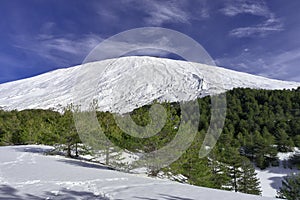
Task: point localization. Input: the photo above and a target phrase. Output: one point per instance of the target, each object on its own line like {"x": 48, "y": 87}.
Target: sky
{"x": 258, "y": 37}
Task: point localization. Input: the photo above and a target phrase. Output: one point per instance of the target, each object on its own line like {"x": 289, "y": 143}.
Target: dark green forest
{"x": 259, "y": 124}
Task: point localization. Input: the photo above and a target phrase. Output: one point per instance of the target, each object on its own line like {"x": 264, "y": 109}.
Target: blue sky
{"x": 258, "y": 37}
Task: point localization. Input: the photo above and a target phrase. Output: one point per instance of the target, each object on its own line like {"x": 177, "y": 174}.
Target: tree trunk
{"x": 76, "y": 150}
{"x": 234, "y": 180}
{"x": 69, "y": 151}
{"x": 107, "y": 156}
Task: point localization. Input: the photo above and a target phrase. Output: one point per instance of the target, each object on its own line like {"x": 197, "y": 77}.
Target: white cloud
{"x": 269, "y": 25}
{"x": 164, "y": 11}
{"x": 234, "y": 8}
{"x": 288, "y": 56}
{"x": 60, "y": 50}
{"x": 159, "y": 12}
{"x": 204, "y": 12}
{"x": 154, "y": 12}
{"x": 71, "y": 48}
{"x": 280, "y": 65}
{"x": 148, "y": 41}
{"x": 70, "y": 45}
{"x": 106, "y": 14}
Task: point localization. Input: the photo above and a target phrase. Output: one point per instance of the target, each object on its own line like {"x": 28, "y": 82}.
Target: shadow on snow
{"x": 9, "y": 193}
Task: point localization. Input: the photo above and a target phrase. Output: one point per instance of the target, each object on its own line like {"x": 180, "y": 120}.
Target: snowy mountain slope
{"x": 25, "y": 173}
{"x": 127, "y": 83}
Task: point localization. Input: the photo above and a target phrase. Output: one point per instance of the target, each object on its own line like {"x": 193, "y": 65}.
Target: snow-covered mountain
{"x": 122, "y": 84}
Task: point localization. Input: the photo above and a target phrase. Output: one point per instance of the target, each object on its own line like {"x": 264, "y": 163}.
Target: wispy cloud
{"x": 280, "y": 65}
{"x": 288, "y": 56}
{"x": 165, "y": 11}
{"x": 157, "y": 12}
{"x": 283, "y": 65}
{"x": 59, "y": 50}
{"x": 258, "y": 8}
{"x": 234, "y": 8}
{"x": 142, "y": 41}
{"x": 270, "y": 25}
{"x": 153, "y": 12}
{"x": 73, "y": 49}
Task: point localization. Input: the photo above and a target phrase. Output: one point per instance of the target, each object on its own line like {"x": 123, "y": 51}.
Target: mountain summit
{"x": 123, "y": 84}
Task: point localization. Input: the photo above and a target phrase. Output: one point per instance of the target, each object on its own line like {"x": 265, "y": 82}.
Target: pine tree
{"x": 68, "y": 131}
{"x": 297, "y": 141}
{"x": 248, "y": 182}
{"x": 290, "y": 188}
{"x": 284, "y": 142}
{"x": 264, "y": 149}
{"x": 220, "y": 178}
{"x": 232, "y": 158}
{"x": 249, "y": 146}
{"x": 258, "y": 145}
{"x": 268, "y": 150}
{"x": 194, "y": 168}
{"x": 102, "y": 140}
{"x": 13, "y": 132}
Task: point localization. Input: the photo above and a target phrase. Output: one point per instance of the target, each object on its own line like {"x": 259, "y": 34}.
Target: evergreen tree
{"x": 68, "y": 131}
{"x": 106, "y": 148}
{"x": 248, "y": 182}
{"x": 13, "y": 130}
{"x": 265, "y": 152}
{"x": 268, "y": 149}
{"x": 249, "y": 146}
{"x": 284, "y": 142}
{"x": 290, "y": 188}
{"x": 297, "y": 141}
{"x": 232, "y": 158}
{"x": 220, "y": 178}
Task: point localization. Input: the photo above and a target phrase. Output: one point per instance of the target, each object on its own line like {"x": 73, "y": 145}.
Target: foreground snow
{"x": 271, "y": 178}
{"x": 128, "y": 83}
{"x": 25, "y": 173}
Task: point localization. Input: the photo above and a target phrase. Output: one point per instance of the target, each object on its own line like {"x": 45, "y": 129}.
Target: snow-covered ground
{"x": 271, "y": 177}
{"x": 128, "y": 83}
{"x": 26, "y": 173}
